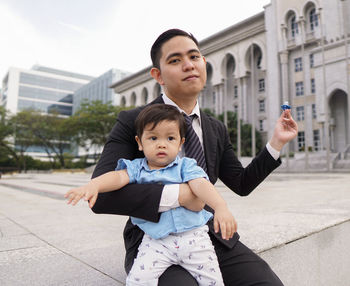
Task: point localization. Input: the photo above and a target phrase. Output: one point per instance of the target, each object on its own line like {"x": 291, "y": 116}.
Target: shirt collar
{"x": 144, "y": 164}
{"x": 195, "y": 110}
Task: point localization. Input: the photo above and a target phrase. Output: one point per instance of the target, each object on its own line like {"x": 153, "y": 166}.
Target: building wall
{"x": 99, "y": 89}
{"x": 41, "y": 88}
{"x": 287, "y": 31}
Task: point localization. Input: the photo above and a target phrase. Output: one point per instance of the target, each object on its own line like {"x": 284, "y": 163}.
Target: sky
{"x": 93, "y": 36}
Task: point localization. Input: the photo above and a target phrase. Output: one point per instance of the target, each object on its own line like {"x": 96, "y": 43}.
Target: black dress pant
{"x": 239, "y": 266}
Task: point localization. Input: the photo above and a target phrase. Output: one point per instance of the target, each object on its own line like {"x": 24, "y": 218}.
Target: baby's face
{"x": 160, "y": 144}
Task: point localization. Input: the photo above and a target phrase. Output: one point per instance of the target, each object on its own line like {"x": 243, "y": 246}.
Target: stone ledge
{"x": 296, "y": 222}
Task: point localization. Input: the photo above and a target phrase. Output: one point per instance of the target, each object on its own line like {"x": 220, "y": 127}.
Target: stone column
{"x": 345, "y": 21}
{"x": 244, "y": 98}
{"x": 325, "y": 101}
{"x": 239, "y": 116}
{"x": 252, "y": 77}
{"x": 307, "y": 134}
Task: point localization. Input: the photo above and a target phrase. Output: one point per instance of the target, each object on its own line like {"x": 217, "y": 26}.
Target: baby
{"x": 181, "y": 236}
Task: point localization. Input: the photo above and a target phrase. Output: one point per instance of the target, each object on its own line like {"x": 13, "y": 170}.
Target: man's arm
{"x": 138, "y": 200}
{"x": 244, "y": 180}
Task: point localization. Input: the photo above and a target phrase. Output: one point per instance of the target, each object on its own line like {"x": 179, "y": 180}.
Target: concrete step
{"x": 342, "y": 164}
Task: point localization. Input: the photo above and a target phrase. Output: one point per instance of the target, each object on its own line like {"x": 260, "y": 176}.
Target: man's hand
{"x": 189, "y": 200}
{"x": 286, "y": 129}
{"x": 224, "y": 220}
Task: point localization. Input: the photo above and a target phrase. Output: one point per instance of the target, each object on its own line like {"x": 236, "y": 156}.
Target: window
{"x": 44, "y": 94}
{"x": 261, "y": 125}
{"x": 316, "y": 135}
{"x": 64, "y": 108}
{"x": 300, "y": 113}
{"x": 313, "y": 18}
{"x": 301, "y": 141}
{"x": 299, "y": 88}
{"x": 235, "y": 91}
{"x": 262, "y": 105}
{"x": 314, "y": 113}
{"x": 261, "y": 85}
{"x": 293, "y": 27}
{"x": 313, "y": 86}
{"x": 311, "y": 58}
{"x": 49, "y": 82}
{"x": 298, "y": 64}
{"x": 123, "y": 102}
{"x": 258, "y": 62}
{"x": 236, "y": 108}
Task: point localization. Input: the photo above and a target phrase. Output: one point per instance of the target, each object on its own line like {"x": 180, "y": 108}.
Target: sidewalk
{"x": 46, "y": 242}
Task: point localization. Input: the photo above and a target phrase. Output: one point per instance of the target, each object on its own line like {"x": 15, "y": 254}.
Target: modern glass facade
{"x": 43, "y": 89}
{"x": 99, "y": 89}
{"x": 43, "y": 81}
{"x": 48, "y": 90}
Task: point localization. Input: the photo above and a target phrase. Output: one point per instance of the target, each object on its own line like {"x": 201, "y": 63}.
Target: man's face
{"x": 182, "y": 68}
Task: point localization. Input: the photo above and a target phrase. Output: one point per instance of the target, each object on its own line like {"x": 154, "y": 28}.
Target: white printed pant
{"x": 193, "y": 250}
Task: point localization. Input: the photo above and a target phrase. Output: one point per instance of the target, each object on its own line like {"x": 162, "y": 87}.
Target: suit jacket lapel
{"x": 159, "y": 99}
{"x": 209, "y": 143}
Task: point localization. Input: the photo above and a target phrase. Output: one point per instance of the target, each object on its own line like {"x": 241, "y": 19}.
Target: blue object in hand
{"x": 285, "y": 105}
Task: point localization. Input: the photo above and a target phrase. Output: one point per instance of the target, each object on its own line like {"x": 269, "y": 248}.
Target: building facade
{"x": 98, "y": 89}
{"x": 295, "y": 51}
{"x": 41, "y": 88}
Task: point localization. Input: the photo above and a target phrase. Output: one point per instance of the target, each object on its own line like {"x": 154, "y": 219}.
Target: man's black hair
{"x": 156, "y": 50}
{"x": 155, "y": 113}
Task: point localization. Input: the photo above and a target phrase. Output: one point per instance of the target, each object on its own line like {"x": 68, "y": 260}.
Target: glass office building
{"x": 41, "y": 88}
{"x": 99, "y": 89}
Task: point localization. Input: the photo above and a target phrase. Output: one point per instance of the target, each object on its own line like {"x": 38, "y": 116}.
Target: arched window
{"x": 133, "y": 99}
{"x": 294, "y": 30}
{"x": 123, "y": 102}
{"x": 144, "y": 96}
{"x": 313, "y": 19}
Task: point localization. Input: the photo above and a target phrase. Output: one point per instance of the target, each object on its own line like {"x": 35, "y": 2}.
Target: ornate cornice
{"x": 132, "y": 80}
{"x": 236, "y": 33}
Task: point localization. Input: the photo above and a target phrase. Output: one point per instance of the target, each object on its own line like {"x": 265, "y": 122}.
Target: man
{"x": 181, "y": 70}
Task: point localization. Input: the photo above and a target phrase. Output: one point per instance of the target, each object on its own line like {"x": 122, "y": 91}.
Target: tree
{"x": 50, "y": 132}
{"x": 23, "y": 135}
{"x": 92, "y": 124}
{"x": 246, "y": 140}
{"x": 6, "y": 133}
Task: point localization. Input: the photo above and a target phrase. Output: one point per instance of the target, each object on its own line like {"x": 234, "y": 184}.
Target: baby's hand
{"x": 89, "y": 192}
{"x": 227, "y": 223}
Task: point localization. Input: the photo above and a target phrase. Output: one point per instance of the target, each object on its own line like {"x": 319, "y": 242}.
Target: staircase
{"x": 317, "y": 162}
{"x": 342, "y": 160}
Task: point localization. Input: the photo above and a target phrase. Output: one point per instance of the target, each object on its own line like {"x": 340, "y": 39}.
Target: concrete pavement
{"x": 296, "y": 222}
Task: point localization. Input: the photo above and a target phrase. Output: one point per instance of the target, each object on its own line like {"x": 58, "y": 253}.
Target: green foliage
{"x": 92, "y": 124}
{"x": 53, "y": 133}
{"x": 246, "y": 131}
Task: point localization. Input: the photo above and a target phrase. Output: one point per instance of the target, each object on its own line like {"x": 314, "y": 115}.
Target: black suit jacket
{"x": 143, "y": 200}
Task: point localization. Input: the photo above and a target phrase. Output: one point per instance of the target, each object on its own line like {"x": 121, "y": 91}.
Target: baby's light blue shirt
{"x": 180, "y": 219}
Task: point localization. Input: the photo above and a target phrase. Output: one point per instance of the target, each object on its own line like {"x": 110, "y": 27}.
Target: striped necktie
{"x": 193, "y": 147}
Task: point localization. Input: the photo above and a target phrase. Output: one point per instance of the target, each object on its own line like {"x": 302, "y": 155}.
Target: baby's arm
{"x": 205, "y": 191}
{"x": 107, "y": 182}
